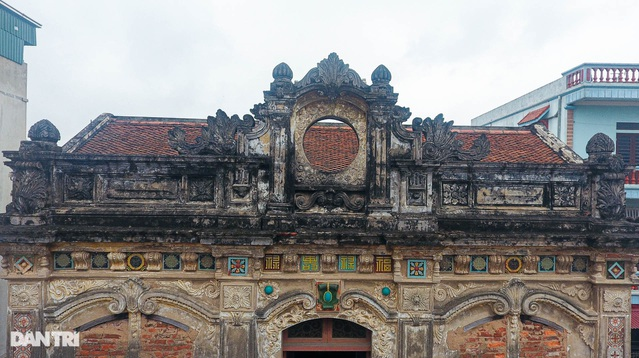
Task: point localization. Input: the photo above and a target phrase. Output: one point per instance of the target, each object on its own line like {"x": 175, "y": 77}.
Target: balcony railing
{"x": 602, "y": 73}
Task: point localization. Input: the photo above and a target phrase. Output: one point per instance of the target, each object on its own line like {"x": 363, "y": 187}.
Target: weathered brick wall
{"x": 489, "y": 341}
{"x": 538, "y": 340}
{"x": 486, "y": 341}
{"x": 157, "y": 340}
{"x": 162, "y": 340}
{"x": 106, "y": 340}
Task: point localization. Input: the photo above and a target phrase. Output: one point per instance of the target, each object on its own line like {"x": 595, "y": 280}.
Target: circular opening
{"x": 330, "y": 145}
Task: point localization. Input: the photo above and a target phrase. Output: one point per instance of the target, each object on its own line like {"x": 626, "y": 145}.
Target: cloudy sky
{"x": 188, "y": 58}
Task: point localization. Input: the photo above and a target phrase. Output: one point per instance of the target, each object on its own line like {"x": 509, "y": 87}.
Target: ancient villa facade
{"x": 253, "y": 237}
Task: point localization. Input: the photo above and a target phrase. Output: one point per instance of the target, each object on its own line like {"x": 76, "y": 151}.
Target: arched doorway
{"x": 320, "y": 338}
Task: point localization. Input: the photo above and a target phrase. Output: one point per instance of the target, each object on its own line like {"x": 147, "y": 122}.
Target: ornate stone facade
{"x": 228, "y": 236}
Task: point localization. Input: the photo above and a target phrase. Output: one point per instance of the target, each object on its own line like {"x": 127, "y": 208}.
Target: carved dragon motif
{"x": 218, "y": 137}
{"x": 441, "y": 143}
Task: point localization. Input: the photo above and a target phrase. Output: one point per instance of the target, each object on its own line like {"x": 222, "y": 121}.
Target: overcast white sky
{"x": 188, "y": 58}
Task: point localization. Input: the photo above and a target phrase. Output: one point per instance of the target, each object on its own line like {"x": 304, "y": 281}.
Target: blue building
{"x": 587, "y": 99}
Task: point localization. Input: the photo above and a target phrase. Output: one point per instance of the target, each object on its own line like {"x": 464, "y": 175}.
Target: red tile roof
{"x": 330, "y": 148}
{"x": 533, "y": 116}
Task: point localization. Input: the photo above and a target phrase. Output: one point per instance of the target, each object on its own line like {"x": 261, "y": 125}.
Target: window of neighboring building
{"x": 628, "y": 142}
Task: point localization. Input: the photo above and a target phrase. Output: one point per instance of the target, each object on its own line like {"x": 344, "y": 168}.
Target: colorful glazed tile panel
{"x": 171, "y": 261}
{"x": 238, "y": 266}
{"x": 616, "y": 337}
{"x": 206, "y": 262}
{"x": 580, "y": 264}
{"x": 62, "y": 261}
{"x": 272, "y": 262}
{"x": 479, "y": 264}
{"x": 514, "y": 264}
{"x": 99, "y": 261}
{"x": 347, "y": 263}
{"x": 616, "y": 270}
{"x": 309, "y": 263}
{"x": 383, "y": 264}
{"x": 416, "y": 268}
{"x": 546, "y": 264}
{"x": 23, "y": 264}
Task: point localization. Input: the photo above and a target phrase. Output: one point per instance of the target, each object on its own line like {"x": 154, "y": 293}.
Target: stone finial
{"x": 381, "y": 75}
{"x": 44, "y": 131}
{"x": 282, "y": 72}
{"x": 600, "y": 145}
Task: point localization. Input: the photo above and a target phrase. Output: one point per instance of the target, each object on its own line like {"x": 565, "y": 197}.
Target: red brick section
{"x": 106, "y": 340}
{"x": 537, "y": 340}
{"x": 162, "y": 340}
{"x": 150, "y": 137}
{"x": 330, "y": 148}
{"x": 485, "y": 341}
{"x": 570, "y": 127}
{"x": 489, "y": 341}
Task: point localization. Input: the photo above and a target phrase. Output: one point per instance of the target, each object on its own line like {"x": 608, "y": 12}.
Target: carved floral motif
{"x": 611, "y": 199}
{"x": 454, "y": 194}
{"x": 60, "y": 290}
{"x": 30, "y": 188}
{"x": 415, "y": 298}
{"x": 581, "y": 291}
{"x": 383, "y": 339}
{"x": 24, "y": 295}
{"x": 271, "y": 332}
{"x": 616, "y": 301}
{"x": 209, "y": 289}
{"x": 79, "y": 187}
{"x": 329, "y": 199}
{"x": 237, "y": 297}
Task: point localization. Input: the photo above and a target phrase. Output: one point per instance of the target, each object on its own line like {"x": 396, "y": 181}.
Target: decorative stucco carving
{"x": 564, "y": 195}
{"x": 389, "y": 300}
{"x": 611, "y": 199}
{"x": 218, "y": 137}
{"x": 153, "y": 261}
{"x": 563, "y": 264}
{"x": 454, "y": 194}
{"x": 61, "y": 290}
{"x": 332, "y": 73}
{"x": 265, "y": 298}
{"x": 587, "y": 334}
{"x": 210, "y": 289}
{"x": 30, "y": 192}
{"x": 189, "y": 261}
{"x": 441, "y": 145}
{"x": 297, "y": 312}
{"x": 581, "y": 291}
{"x": 130, "y": 291}
{"x": 237, "y": 297}
{"x": 290, "y": 262}
{"x": 616, "y": 301}
{"x": 329, "y": 199}
{"x": 366, "y": 263}
{"x": 442, "y": 292}
{"x": 24, "y": 295}
{"x": 207, "y": 342}
{"x": 462, "y": 264}
{"x": 530, "y": 264}
{"x": 44, "y": 131}
{"x": 415, "y": 298}
{"x": 81, "y": 260}
{"x": 79, "y": 187}
{"x": 329, "y": 263}
{"x": 117, "y": 261}
{"x": 384, "y": 334}
{"x": 496, "y": 264}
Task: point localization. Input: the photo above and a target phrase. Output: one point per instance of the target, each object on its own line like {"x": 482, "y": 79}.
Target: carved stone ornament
{"x": 24, "y": 295}
{"x": 130, "y": 290}
{"x": 81, "y": 260}
{"x": 189, "y": 261}
{"x": 415, "y": 299}
{"x": 329, "y": 263}
{"x": 265, "y": 298}
{"x": 270, "y": 334}
{"x": 30, "y": 192}
{"x": 218, "y": 137}
{"x": 79, "y": 187}
{"x": 44, "y": 131}
{"x": 332, "y": 73}
{"x": 600, "y": 144}
{"x": 384, "y": 334}
{"x": 587, "y": 334}
{"x": 454, "y": 194}
{"x": 611, "y": 200}
{"x": 153, "y": 261}
{"x": 462, "y": 264}
{"x": 366, "y": 263}
{"x": 210, "y": 290}
{"x": 117, "y": 261}
{"x": 290, "y": 262}
{"x": 443, "y": 292}
{"x": 237, "y": 297}
{"x": 441, "y": 144}
{"x": 581, "y": 291}
{"x": 389, "y": 300}
{"x": 61, "y": 290}
{"x": 329, "y": 199}
{"x": 616, "y": 301}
